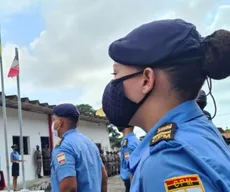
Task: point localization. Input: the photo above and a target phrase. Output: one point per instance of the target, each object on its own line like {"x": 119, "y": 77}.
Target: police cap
{"x": 66, "y": 110}
{"x": 14, "y": 146}
{"x": 157, "y": 41}
{"x": 166, "y": 43}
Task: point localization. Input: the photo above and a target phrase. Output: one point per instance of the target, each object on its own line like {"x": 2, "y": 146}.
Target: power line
{"x": 223, "y": 114}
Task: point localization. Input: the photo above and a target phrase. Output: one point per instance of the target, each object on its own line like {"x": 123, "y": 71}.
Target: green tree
{"x": 227, "y": 130}
{"x": 86, "y": 109}
{"x": 114, "y": 136}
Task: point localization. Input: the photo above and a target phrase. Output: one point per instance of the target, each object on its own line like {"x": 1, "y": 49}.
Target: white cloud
{"x": 9, "y": 7}
{"x": 72, "y": 51}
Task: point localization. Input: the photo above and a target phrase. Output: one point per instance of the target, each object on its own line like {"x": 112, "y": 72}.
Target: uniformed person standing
{"x": 112, "y": 161}
{"x": 46, "y": 159}
{"x": 118, "y": 161}
{"x": 38, "y": 161}
{"x": 115, "y": 160}
{"x": 102, "y": 157}
{"x": 168, "y": 62}
{"x": 202, "y": 102}
{"x": 128, "y": 144}
{"x": 110, "y": 165}
{"x": 14, "y": 158}
{"x": 76, "y": 163}
{"x": 107, "y": 162}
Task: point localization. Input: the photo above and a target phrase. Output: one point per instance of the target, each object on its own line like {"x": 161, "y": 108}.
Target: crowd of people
{"x": 111, "y": 161}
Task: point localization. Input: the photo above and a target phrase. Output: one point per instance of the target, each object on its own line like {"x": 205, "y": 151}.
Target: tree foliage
{"x": 227, "y": 130}
{"x": 114, "y": 136}
{"x": 86, "y": 109}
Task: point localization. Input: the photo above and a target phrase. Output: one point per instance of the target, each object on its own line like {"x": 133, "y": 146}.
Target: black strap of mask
{"x": 209, "y": 82}
{"x": 127, "y": 77}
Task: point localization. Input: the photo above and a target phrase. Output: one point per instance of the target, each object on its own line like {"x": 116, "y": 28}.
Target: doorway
{"x": 45, "y": 155}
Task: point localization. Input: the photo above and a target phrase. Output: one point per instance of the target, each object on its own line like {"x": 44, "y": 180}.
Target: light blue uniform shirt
{"x": 128, "y": 144}
{"x": 197, "y": 148}
{"x": 77, "y": 156}
{"x": 15, "y": 156}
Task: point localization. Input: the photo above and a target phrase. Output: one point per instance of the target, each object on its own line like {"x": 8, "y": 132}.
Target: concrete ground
{"x": 115, "y": 184}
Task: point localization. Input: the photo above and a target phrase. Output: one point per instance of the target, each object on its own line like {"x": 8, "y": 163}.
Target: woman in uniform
{"x": 14, "y": 158}
{"x": 158, "y": 71}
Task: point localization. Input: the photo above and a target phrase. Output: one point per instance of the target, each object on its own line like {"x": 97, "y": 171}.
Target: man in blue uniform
{"x": 202, "y": 102}
{"x": 158, "y": 71}
{"x": 128, "y": 144}
{"x": 76, "y": 164}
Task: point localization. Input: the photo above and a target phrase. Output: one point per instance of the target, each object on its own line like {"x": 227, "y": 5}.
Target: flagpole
{"x": 20, "y": 127}
{"x": 4, "y": 119}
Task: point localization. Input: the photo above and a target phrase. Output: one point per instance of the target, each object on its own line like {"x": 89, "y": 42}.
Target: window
{"x": 16, "y": 140}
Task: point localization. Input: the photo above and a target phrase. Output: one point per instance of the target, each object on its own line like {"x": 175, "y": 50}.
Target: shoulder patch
{"x": 126, "y": 155}
{"x": 190, "y": 183}
{"x": 61, "y": 158}
{"x": 165, "y": 132}
{"x": 125, "y": 142}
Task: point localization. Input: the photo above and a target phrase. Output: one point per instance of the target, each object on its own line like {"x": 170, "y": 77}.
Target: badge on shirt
{"x": 61, "y": 158}
{"x": 165, "y": 132}
{"x": 126, "y": 156}
{"x": 125, "y": 142}
{"x": 187, "y": 183}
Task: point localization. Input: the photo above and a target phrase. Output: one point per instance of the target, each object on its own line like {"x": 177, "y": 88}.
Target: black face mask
{"x": 118, "y": 108}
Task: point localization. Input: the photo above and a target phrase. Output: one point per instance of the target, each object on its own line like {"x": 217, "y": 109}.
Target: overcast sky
{"x": 63, "y": 44}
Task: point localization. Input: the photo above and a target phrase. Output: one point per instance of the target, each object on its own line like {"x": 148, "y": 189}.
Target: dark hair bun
{"x": 217, "y": 55}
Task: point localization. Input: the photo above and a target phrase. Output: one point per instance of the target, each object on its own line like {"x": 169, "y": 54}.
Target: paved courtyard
{"x": 115, "y": 184}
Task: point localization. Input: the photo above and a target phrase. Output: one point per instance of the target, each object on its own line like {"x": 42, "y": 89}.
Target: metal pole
{"x": 4, "y": 120}
{"x": 20, "y": 128}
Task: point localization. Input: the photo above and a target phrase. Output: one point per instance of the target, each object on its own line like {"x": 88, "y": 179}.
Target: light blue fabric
{"x": 15, "y": 156}
{"x": 198, "y": 148}
{"x": 132, "y": 143}
{"x": 82, "y": 160}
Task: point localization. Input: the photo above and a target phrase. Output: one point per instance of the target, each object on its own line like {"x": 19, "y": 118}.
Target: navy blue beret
{"x": 14, "y": 146}
{"x": 66, "y": 110}
{"x": 158, "y": 42}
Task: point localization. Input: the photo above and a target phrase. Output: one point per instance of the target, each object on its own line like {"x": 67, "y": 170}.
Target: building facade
{"x": 37, "y": 131}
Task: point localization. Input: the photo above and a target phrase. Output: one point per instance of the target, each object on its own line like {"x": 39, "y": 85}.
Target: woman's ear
{"x": 148, "y": 80}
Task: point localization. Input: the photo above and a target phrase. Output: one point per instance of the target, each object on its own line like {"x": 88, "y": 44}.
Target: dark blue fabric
{"x": 66, "y": 110}
{"x": 117, "y": 107}
{"x": 201, "y": 97}
{"x": 156, "y": 43}
{"x": 208, "y": 115}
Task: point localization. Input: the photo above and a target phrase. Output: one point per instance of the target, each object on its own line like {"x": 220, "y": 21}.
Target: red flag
{"x": 14, "y": 70}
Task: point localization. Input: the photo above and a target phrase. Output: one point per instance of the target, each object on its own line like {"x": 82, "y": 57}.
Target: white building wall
{"x": 97, "y": 132}
{"x": 35, "y": 125}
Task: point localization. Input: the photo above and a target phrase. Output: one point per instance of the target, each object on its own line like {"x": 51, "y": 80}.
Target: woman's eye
{"x": 114, "y": 74}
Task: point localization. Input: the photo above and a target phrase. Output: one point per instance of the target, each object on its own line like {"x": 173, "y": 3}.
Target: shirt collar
{"x": 68, "y": 132}
{"x": 182, "y": 113}
{"x": 127, "y": 136}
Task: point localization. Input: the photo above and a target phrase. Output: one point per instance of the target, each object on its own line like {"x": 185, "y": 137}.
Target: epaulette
{"x": 125, "y": 142}
{"x": 59, "y": 143}
{"x": 165, "y": 132}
